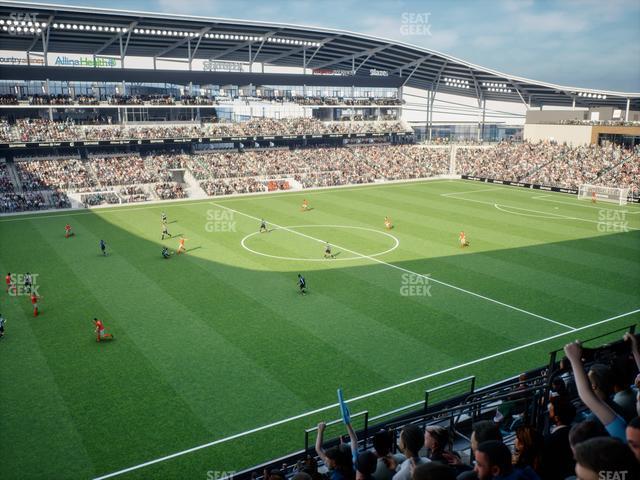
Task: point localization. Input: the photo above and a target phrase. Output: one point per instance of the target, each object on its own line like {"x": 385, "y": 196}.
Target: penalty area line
{"x": 361, "y": 397}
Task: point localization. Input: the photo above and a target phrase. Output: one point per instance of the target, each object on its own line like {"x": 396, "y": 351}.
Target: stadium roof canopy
{"x": 102, "y": 32}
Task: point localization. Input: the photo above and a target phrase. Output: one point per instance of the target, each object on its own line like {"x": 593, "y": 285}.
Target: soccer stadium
{"x": 268, "y": 250}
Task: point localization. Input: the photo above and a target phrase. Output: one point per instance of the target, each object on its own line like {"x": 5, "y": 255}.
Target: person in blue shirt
{"x": 103, "y": 248}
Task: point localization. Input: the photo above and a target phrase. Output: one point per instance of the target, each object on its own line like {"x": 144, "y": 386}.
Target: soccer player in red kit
{"x": 181, "y": 247}
{"x": 100, "y": 335}
{"x": 67, "y": 231}
{"x": 7, "y": 279}
{"x": 34, "y": 302}
{"x": 463, "y": 240}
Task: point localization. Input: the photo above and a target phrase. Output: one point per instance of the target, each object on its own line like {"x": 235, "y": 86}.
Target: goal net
{"x": 603, "y": 194}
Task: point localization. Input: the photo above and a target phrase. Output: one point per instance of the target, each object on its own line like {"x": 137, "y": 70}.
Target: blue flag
{"x": 344, "y": 410}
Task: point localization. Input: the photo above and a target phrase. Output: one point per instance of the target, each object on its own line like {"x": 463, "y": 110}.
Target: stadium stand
{"x": 236, "y": 171}
{"x": 539, "y": 419}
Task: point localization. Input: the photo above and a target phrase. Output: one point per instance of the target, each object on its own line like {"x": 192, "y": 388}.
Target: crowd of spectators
{"x": 133, "y": 193}
{"x": 59, "y": 199}
{"x": 94, "y": 199}
{"x": 21, "y": 202}
{"x": 187, "y": 99}
{"x": 217, "y": 187}
{"x": 553, "y": 164}
{"x": 40, "y": 130}
{"x": 589, "y": 430}
{"x": 6, "y": 185}
{"x": 8, "y": 99}
{"x": 141, "y": 99}
{"x": 169, "y": 191}
{"x": 54, "y": 173}
{"x": 609, "y": 123}
{"x": 318, "y": 167}
{"x": 127, "y": 170}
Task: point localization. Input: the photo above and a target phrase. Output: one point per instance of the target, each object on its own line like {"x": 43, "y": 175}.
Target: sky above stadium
{"x": 585, "y": 43}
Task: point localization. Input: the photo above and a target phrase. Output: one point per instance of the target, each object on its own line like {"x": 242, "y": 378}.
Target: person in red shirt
{"x": 67, "y": 231}
{"x": 34, "y": 303}
{"x": 181, "y": 247}
{"x": 7, "y": 279}
{"x": 463, "y": 240}
{"x": 100, "y": 334}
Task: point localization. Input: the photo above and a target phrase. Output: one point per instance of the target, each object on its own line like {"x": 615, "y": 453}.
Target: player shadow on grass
{"x": 192, "y": 249}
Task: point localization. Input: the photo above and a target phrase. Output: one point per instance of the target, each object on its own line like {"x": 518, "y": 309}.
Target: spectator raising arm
{"x": 614, "y": 424}
{"x": 630, "y": 337}
{"x": 319, "y": 440}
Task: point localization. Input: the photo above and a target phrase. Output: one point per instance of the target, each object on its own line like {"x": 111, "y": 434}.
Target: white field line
{"x": 377, "y": 260}
{"x": 553, "y": 215}
{"x": 544, "y": 199}
{"x": 471, "y": 191}
{"x": 165, "y": 204}
{"x": 361, "y": 397}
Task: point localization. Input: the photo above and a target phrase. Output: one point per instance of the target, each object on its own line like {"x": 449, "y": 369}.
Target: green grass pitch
{"x": 218, "y": 341}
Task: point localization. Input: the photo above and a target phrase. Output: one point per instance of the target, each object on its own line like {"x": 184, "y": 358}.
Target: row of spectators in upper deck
{"x": 154, "y": 99}
{"x": 168, "y": 99}
{"x": 8, "y": 99}
{"x": 612, "y": 123}
{"x": 34, "y": 130}
{"x": 60, "y": 99}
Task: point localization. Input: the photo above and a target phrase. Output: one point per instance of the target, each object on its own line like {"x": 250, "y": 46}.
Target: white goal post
{"x": 603, "y": 194}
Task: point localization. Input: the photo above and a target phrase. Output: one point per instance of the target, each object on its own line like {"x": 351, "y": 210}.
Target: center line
{"x": 402, "y": 269}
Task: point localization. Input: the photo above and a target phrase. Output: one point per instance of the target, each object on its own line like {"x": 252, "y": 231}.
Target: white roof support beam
{"x": 352, "y": 56}
{"x": 412, "y": 72}
{"x": 418, "y": 61}
{"x": 179, "y": 43}
{"x": 241, "y": 46}
{"x": 116, "y": 37}
{"x": 293, "y": 51}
